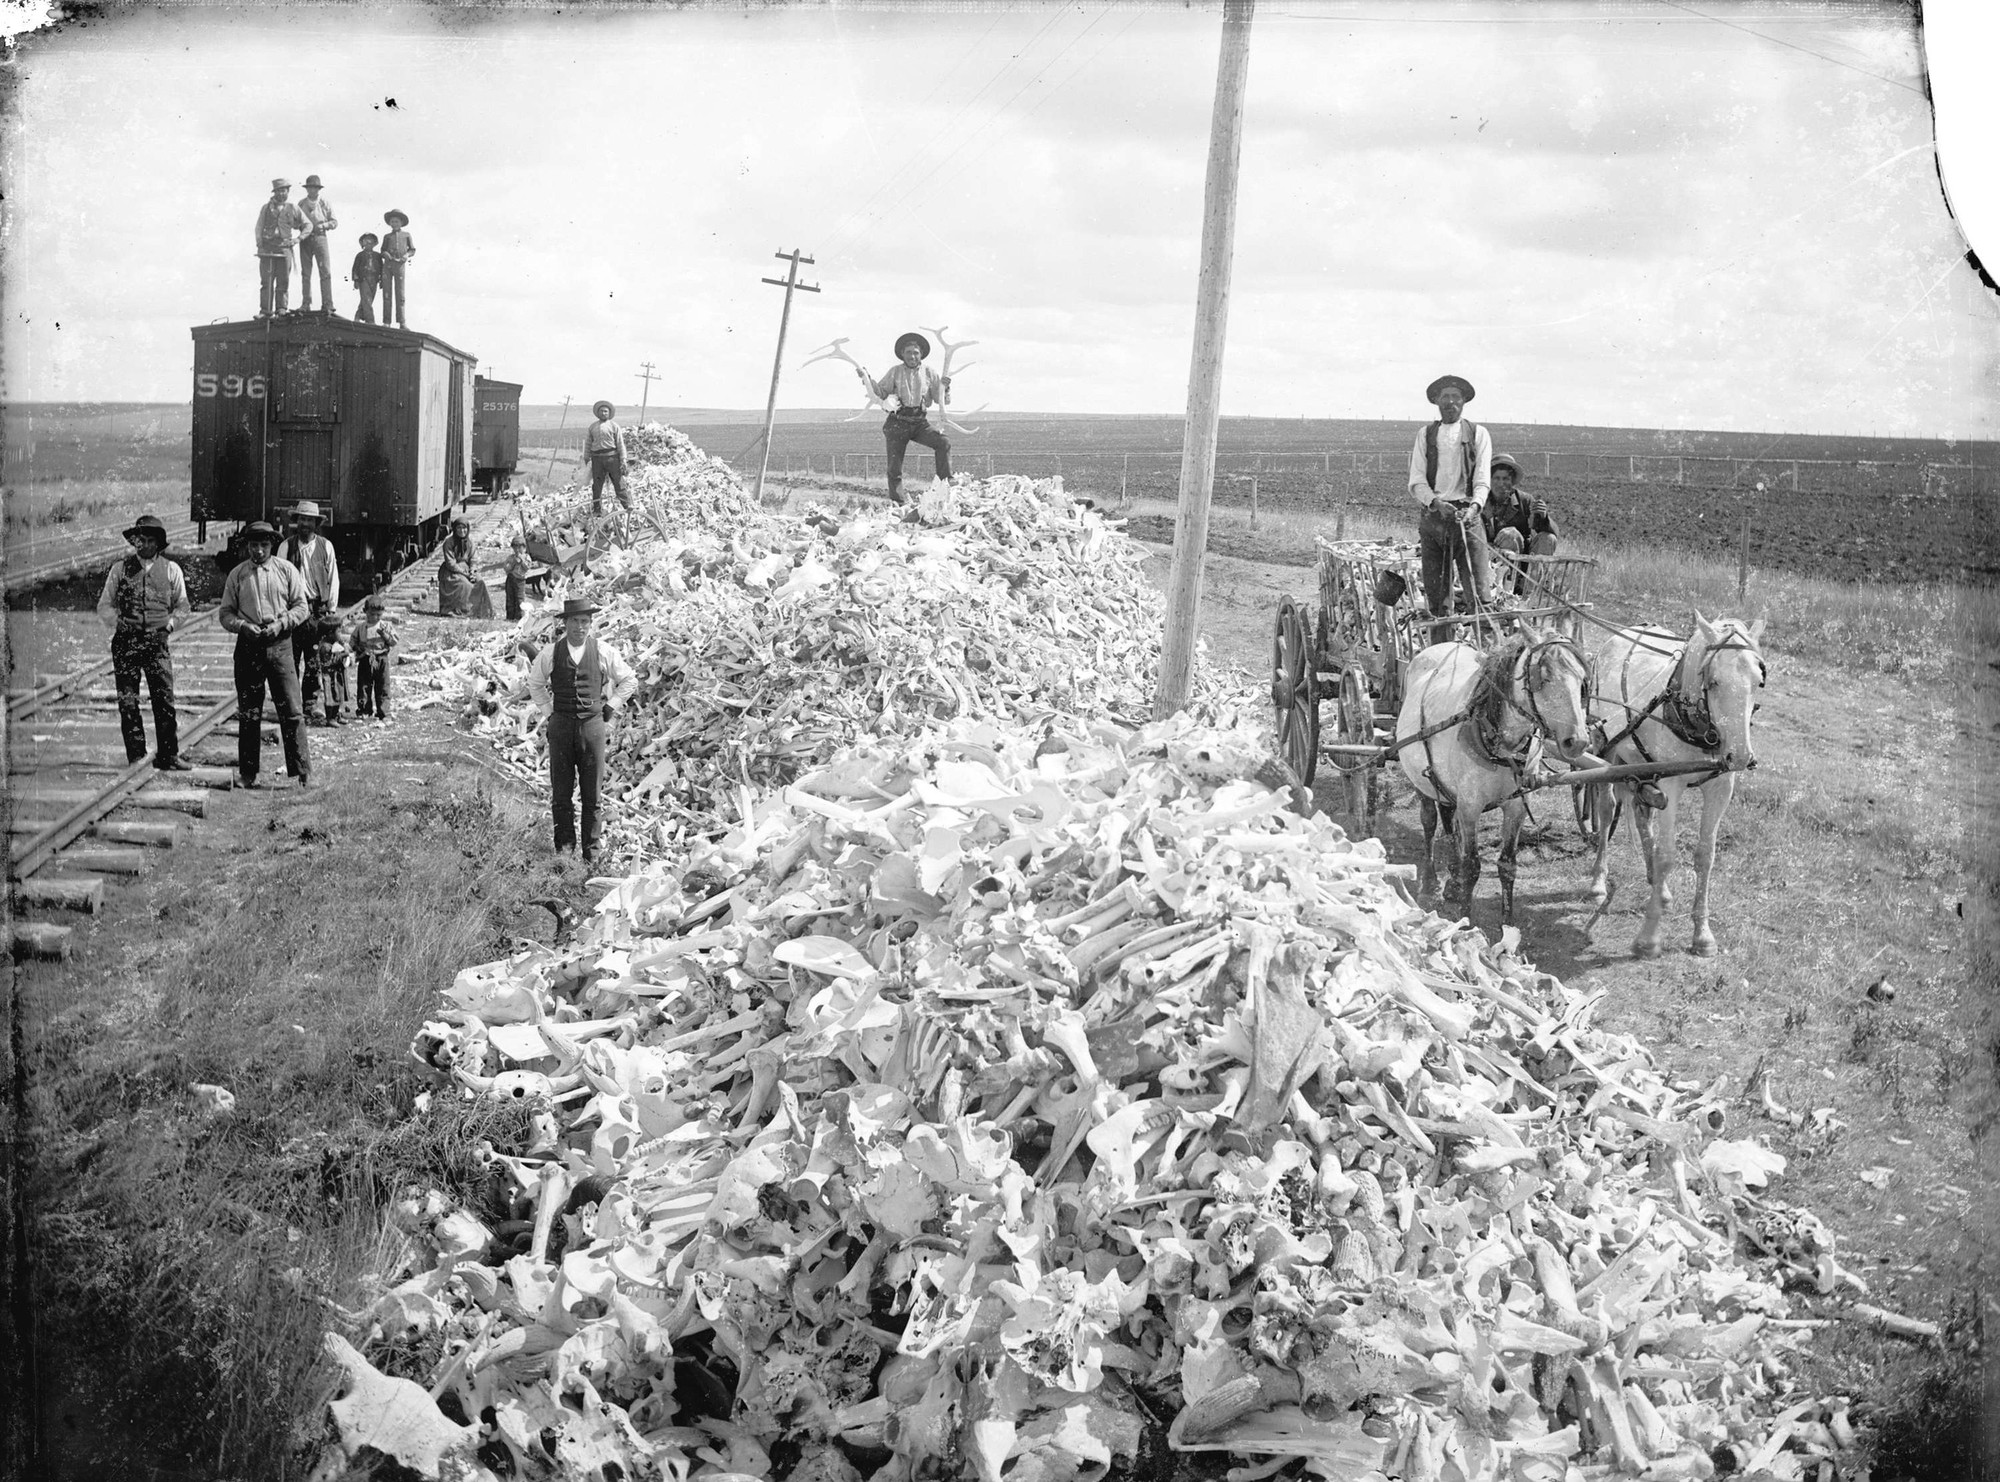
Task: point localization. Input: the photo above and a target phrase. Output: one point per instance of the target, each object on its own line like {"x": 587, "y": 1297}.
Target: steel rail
{"x": 20, "y": 707}
{"x": 58, "y": 566}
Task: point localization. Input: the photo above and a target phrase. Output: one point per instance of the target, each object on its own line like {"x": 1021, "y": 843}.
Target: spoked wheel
{"x": 1355, "y": 708}
{"x": 1295, "y": 690}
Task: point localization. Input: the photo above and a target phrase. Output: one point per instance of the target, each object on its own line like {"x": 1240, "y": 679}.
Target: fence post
{"x": 1743, "y": 554}
{"x": 1253, "y": 501}
{"x": 1340, "y": 526}
{"x": 1680, "y": 470}
{"x": 1548, "y": 465}
{"x": 1795, "y": 475}
{"x": 989, "y": 463}
{"x": 1632, "y": 469}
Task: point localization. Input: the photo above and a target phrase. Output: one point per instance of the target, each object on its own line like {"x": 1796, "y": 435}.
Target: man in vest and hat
{"x": 578, "y": 683}
{"x": 311, "y": 554}
{"x": 263, "y": 600}
{"x": 1516, "y": 521}
{"x": 1450, "y": 474}
{"x": 279, "y": 224}
{"x": 907, "y": 390}
{"x": 144, "y": 599}
{"x": 316, "y": 247}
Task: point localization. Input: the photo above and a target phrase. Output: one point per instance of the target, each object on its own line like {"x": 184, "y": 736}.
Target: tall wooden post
{"x": 789, "y": 283}
{"x": 551, "y": 473}
{"x": 647, "y": 375}
{"x": 1211, "y": 323}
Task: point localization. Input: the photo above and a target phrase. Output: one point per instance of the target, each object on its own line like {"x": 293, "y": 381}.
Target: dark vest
{"x": 144, "y": 597}
{"x": 577, "y": 689}
{"x": 1469, "y": 443}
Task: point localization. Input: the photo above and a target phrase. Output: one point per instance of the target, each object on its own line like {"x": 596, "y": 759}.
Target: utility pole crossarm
{"x": 791, "y": 284}
{"x": 645, "y": 373}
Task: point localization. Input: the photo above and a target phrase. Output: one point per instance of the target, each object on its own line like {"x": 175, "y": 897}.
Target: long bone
{"x": 835, "y": 351}
{"x": 944, "y": 372}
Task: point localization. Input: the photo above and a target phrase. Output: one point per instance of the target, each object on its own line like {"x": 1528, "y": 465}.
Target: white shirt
{"x": 1451, "y": 465}
{"x": 620, "y": 683}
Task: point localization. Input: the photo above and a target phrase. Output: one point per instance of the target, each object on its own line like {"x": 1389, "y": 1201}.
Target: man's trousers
{"x": 261, "y": 664}
{"x": 314, "y": 250}
{"x": 576, "y": 763}
{"x": 274, "y": 283}
{"x": 142, "y": 653}
{"x": 898, "y": 432}
{"x": 1444, "y": 548}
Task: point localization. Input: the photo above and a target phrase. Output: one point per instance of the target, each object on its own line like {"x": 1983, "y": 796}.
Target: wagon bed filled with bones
{"x": 1353, "y": 651}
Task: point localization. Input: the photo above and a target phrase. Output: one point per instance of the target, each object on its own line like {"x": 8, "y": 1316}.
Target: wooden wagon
{"x": 1355, "y": 649}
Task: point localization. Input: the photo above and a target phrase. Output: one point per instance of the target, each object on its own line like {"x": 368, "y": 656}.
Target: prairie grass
{"x": 186, "y": 1262}
{"x": 37, "y": 512}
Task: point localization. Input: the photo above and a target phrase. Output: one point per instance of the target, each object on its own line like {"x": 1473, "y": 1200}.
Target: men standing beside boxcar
{"x": 397, "y": 250}
{"x": 145, "y": 599}
{"x": 311, "y": 554}
{"x": 1450, "y": 474}
{"x": 578, "y": 683}
{"x": 604, "y": 447}
{"x": 263, "y": 600}
{"x": 279, "y": 222}
{"x": 316, "y": 247}
{"x": 1516, "y": 521}
{"x": 908, "y": 389}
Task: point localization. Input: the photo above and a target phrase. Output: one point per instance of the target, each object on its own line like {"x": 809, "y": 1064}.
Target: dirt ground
{"x": 1841, "y": 863}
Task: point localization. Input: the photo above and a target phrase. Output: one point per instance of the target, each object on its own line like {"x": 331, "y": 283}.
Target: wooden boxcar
{"x": 496, "y": 434}
{"x": 370, "y": 422}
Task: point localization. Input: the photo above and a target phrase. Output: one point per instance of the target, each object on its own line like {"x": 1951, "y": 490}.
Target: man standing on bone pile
{"x": 907, "y": 390}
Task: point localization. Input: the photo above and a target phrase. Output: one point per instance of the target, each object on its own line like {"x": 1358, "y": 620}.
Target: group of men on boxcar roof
{"x": 308, "y": 224}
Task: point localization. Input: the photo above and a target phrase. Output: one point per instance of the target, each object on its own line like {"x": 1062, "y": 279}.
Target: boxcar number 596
{"x": 209, "y": 384}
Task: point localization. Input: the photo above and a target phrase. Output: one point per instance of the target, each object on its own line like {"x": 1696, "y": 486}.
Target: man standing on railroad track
{"x": 263, "y": 600}
{"x": 1450, "y": 475}
{"x": 908, "y": 389}
{"x": 144, "y": 599}
{"x": 310, "y": 554}
{"x": 578, "y": 683}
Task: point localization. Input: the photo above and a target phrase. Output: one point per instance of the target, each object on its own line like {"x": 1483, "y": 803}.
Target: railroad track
{"x": 30, "y": 564}
{"x": 83, "y": 817}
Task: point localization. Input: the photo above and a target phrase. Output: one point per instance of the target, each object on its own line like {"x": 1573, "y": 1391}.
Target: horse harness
{"x": 1687, "y": 717}
{"x": 1485, "y": 712}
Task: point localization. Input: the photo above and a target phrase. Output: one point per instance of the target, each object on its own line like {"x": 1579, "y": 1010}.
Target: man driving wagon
{"x": 1450, "y": 477}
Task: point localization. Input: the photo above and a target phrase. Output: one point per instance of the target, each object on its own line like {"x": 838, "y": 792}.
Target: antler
{"x": 949, "y": 349}
{"x": 945, "y": 418}
{"x": 834, "y": 351}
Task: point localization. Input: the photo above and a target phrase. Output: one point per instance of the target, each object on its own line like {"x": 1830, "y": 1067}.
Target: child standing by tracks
{"x": 374, "y": 642}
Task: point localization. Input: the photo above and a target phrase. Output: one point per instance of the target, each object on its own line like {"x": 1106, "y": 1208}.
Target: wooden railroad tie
{"x": 60, "y": 893}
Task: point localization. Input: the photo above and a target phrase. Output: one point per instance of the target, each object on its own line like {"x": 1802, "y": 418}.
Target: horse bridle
{"x": 1691, "y": 720}
{"x": 1532, "y": 656}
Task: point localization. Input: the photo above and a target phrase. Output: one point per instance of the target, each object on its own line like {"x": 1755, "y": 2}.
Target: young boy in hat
{"x": 397, "y": 249}
{"x": 907, "y": 389}
{"x": 517, "y": 569}
{"x": 333, "y": 653}
{"x": 316, "y": 247}
{"x": 373, "y": 641}
{"x": 578, "y": 683}
{"x": 604, "y": 446}
{"x": 1516, "y": 521}
{"x": 144, "y": 599}
{"x": 1450, "y": 475}
{"x": 366, "y": 275}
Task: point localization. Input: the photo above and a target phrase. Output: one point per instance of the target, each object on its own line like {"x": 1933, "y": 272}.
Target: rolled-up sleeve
{"x": 538, "y": 680}
{"x": 624, "y": 683}
{"x": 1482, "y": 466}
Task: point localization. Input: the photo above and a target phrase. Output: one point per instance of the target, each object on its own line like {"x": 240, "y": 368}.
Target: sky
{"x": 1634, "y": 214}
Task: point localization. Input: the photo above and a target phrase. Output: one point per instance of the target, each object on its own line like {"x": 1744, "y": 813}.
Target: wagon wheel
{"x": 1355, "y": 709}
{"x": 1295, "y": 691}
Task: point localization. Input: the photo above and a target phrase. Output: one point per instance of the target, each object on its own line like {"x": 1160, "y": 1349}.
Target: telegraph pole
{"x": 558, "y": 447}
{"x": 789, "y": 282}
{"x": 1211, "y": 322}
{"x": 646, "y": 375}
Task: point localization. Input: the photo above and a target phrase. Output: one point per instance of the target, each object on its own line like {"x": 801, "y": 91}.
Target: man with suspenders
{"x": 1450, "y": 474}
{"x": 578, "y": 682}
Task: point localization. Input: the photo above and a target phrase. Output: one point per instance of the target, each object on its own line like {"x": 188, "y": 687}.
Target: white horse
{"x": 1668, "y": 699}
{"x": 1470, "y": 725}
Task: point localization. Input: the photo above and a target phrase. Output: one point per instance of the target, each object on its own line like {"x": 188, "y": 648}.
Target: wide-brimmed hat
{"x": 258, "y": 530}
{"x": 1506, "y": 460}
{"x": 313, "y": 182}
{"x": 281, "y": 184}
{"x": 1432, "y": 391}
{"x": 149, "y": 524}
{"x": 395, "y": 218}
{"x": 597, "y": 406}
{"x": 307, "y": 509}
{"x": 578, "y": 607}
{"x": 913, "y": 338}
